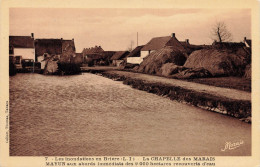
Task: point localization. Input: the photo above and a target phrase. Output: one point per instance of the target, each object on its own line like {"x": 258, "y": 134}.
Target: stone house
{"x": 56, "y": 49}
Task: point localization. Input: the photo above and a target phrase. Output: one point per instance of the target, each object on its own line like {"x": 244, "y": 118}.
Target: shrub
{"x": 69, "y": 68}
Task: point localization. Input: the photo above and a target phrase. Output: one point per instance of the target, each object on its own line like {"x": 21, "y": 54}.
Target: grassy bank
{"x": 226, "y": 82}
{"x": 232, "y": 107}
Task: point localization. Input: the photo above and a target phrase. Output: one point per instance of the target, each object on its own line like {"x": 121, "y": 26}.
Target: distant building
{"x": 107, "y": 56}
{"x": 119, "y": 57}
{"x": 158, "y": 43}
{"x": 22, "y": 47}
{"x": 135, "y": 56}
{"x": 62, "y": 50}
{"x": 185, "y": 43}
{"x": 97, "y": 55}
{"x": 97, "y": 50}
{"x": 189, "y": 48}
{"x": 228, "y": 45}
{"x": 93, "y": 53}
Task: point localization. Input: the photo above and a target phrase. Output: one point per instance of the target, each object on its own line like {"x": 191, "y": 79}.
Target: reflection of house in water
{"x": 21, "y": 47}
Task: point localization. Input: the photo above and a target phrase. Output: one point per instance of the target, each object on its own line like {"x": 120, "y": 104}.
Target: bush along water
{"x": 69, "y": 68}
{"x": 231, "y": 107}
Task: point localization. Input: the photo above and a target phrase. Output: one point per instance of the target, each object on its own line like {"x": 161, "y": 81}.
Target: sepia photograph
{"x": 130, "y": 81}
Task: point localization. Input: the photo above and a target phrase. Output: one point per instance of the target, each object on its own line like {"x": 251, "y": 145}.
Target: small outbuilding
{"x": 134, "y": 56}
{"x": 119, "y": 57}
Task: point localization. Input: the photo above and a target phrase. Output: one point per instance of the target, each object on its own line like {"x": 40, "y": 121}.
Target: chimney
{"x": 173, "y": 34}
{"x": 187, "y": 41}
{"x": 72, "y": 39}
{"x": 32, "y": 35}
{"x": 61, "y": 39}
{"x": 244, "y": 38}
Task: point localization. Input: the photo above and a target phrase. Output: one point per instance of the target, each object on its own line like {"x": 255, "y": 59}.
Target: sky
{"x": 116, "y": 29}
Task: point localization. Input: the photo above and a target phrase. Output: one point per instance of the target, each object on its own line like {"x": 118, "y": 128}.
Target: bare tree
{"x": 220, "y": 33}
{"x": 130, "y": 47}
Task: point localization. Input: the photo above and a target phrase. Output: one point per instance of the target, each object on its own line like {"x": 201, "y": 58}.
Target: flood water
{"x": 89, "y": 115}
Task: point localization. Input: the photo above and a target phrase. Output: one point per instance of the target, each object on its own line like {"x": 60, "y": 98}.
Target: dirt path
{"x": 216, "y": 91}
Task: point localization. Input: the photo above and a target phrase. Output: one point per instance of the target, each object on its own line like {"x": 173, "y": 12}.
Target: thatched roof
{"x": 152, "y": 63}
{"x": 229, "y": 45}
{"x": 119, "y": 55}
{"x": 21, "y": 41}
{"x": 219, "y": 61}
{"x": 189, "y": 48}
{"x": 160, "y": 42}
{"x": 108, "y": 54}
{"x": 136, "y": 52}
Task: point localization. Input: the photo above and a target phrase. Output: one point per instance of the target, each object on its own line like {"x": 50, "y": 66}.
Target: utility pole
{"x": 137, "y": 39}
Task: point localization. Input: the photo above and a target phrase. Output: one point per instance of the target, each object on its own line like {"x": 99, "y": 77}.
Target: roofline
{"x": 19, "y": 36}
{"x": 143, "y": 48}
{"x": 54, "y": 39}
{"x": 24, "y": 47}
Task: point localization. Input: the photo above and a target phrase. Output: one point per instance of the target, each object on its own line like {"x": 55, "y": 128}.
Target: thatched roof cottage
{"x": 119, "y": 57}
{"x": 135, "y": 55}
{"x": 159, "y": 43}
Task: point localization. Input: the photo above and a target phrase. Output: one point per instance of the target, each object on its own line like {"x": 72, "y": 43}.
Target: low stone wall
{"x": 235, "y": 108}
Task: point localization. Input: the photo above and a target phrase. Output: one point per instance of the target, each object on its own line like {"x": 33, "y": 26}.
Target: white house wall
{"x": 26, "y": 53}
{"x": 144, "y": 54}
{"x": 134, "y": 60}
{"x": 40, "y": 59}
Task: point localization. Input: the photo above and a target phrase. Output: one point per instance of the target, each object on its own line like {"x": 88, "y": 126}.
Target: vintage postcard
{"x": 120, "y": 83}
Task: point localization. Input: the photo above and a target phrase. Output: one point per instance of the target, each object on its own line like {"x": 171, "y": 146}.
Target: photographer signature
{"x": 232, "y": 146}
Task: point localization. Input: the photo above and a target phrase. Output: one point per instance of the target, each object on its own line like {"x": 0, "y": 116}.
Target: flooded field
{"x": 89, "y": 115}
